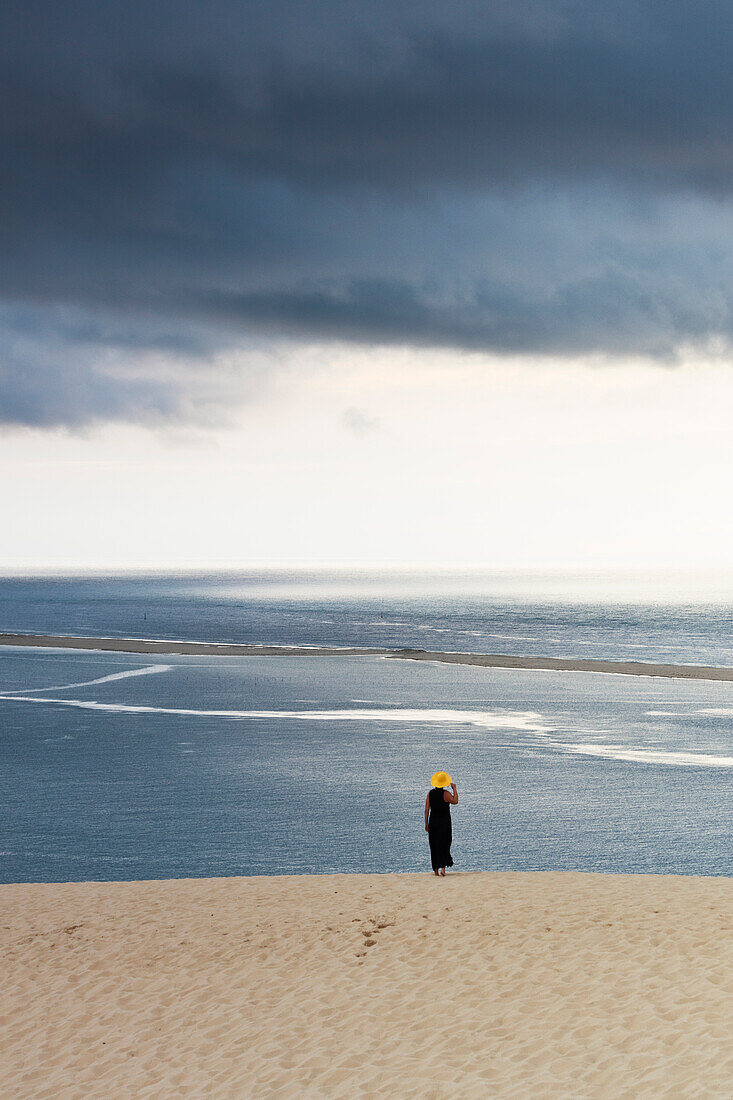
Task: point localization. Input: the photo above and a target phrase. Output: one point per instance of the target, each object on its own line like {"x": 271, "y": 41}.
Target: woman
{"x": 437, "y": 821}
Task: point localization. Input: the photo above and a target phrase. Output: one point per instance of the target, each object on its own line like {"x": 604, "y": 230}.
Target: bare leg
{"x": 435, "y": 872}
{"x": 442, "y": 871}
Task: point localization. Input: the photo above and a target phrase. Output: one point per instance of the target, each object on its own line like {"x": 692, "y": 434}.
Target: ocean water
{"x": 638, "y": 618}
{"x": 117, "y": 766}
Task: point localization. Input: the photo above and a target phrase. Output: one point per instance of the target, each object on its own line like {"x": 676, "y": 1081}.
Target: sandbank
{"x": 399, "y": 985}
{"x": 487, "y": 660}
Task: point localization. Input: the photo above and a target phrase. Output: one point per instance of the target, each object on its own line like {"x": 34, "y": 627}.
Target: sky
{"x": 352, "y": 282}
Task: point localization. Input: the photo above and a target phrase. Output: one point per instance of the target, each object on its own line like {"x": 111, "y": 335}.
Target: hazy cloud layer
{"x": 528, "y": 177}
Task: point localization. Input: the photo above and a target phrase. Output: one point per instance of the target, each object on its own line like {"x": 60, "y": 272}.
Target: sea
{"x": 121, "y": 766}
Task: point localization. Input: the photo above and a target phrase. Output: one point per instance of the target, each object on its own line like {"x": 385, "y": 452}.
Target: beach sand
{"x": 477, "y": 985}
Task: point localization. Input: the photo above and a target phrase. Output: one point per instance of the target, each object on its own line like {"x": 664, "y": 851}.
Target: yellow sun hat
{"x": 441, "y": 779}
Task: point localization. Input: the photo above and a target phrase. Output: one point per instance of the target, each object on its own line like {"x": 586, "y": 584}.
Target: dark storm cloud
{"x": 60, "y": 367}
{"x": 543, "y": 177}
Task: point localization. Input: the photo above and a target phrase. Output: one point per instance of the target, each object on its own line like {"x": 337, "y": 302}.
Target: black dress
{"x": 440, "y": 830}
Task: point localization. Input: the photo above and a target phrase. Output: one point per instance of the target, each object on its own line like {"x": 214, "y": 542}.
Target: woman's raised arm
{"x": 452, "y": 795}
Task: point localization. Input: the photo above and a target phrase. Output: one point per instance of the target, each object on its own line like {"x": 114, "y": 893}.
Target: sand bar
{"x": 487, "y": 660}
{"x": 521, "y": 985}
{"x": 197, "y": 649}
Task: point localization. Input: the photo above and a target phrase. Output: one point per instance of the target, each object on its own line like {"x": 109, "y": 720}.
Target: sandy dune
{"x": 480, "y": 985}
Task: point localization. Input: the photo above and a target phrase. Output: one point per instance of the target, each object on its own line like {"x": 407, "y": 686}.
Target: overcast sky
{"x": 347, "y": 281}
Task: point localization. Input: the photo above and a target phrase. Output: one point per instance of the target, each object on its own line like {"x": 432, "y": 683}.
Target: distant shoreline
{"x": 484, "y": 660}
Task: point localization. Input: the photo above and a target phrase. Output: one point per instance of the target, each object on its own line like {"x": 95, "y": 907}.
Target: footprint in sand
{"x": 370, "y": 933}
